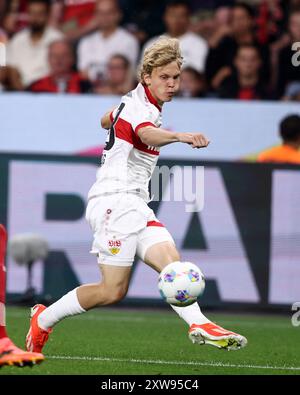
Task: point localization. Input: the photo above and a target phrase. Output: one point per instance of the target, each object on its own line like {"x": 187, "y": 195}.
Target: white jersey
{"x": 127, "y": 163}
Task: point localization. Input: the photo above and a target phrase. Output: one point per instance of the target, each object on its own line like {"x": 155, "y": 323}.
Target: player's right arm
{"x": 107, "y": 119}
{"x": 158, "y": 137}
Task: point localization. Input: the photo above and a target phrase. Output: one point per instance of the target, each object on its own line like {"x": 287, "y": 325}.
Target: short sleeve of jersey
{"x": 135, "y": 113}
{"x": 142, "y": 116}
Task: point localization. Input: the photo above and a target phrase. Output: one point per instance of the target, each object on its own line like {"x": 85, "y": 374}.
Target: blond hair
{"x": 162, "y": 52}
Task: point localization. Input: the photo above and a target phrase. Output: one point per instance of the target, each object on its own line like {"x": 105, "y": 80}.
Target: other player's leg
{"x": 10, "y": 354}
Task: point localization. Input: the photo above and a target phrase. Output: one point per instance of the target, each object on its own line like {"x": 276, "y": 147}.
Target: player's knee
{"x": 115, "y": 294}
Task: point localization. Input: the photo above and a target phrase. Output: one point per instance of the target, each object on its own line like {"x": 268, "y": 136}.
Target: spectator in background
{"x": 3, "y": 33}
{"x": 212, "y": 25}
{"x": 143, "y": 18}
{"x": 118, "y": 79}
{"x": 203, "y": 24}
{"x": 222, "y": 51}
{"x": 62, "y": 78}
{"x": 288, "y": 151}
{"x": 177, "y": 20}
{"x": 96, "y": 49}
{"x": 270, "y": 20}
{"x": 6, "y": 73}
{"x": 287, "y": 72}
{"x": 294, "y": 3}
{"x": 288, "y": 6}
{"x": 27, "y": 50}
{"x": 192, "y": 83}
{"x": 222, "y": 19}
{"x": 9, "y": 81}
{"x": 15, "y": 16}
{"x": 245, "y": 82}
{"x": 75, "y": 18}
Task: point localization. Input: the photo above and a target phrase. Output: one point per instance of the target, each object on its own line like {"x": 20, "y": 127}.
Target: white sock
{"x": 66, "y": 306}
{"x": 191, "y": 314}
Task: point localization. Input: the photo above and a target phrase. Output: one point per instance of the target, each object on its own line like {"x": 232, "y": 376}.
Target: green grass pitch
{"x": 122, "y": 341}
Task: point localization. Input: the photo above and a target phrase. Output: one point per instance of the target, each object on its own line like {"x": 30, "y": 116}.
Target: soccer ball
{"x": 181, "y": 283}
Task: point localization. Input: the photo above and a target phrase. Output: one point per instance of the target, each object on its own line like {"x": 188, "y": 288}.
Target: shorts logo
{"x": 114, "y": 246}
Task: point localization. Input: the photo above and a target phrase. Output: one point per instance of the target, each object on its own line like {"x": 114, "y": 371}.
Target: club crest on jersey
{"x": 114, "y": 246}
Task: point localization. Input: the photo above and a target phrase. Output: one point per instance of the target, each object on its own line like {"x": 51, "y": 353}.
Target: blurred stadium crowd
{"x": 232, "y": 49}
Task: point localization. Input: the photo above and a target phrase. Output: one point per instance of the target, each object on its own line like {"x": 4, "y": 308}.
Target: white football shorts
{"x": 123, "y": 226}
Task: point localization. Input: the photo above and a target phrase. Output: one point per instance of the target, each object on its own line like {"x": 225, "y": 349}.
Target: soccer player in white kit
{"x": 117, "y": 210}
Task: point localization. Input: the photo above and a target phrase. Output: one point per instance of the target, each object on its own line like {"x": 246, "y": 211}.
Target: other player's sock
{"x": 2, "y": 301}
{"x": 191, "y": 314}
{"x": 2, "y": 321}
{"x": 66, "y": 306}
{"x": 3, "y": 240}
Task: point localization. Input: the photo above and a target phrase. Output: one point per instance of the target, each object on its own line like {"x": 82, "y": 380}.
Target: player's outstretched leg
{"x": 202, "y": 331}
{"x": 113, "y": 287}
{"x": 10, "y": 354}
